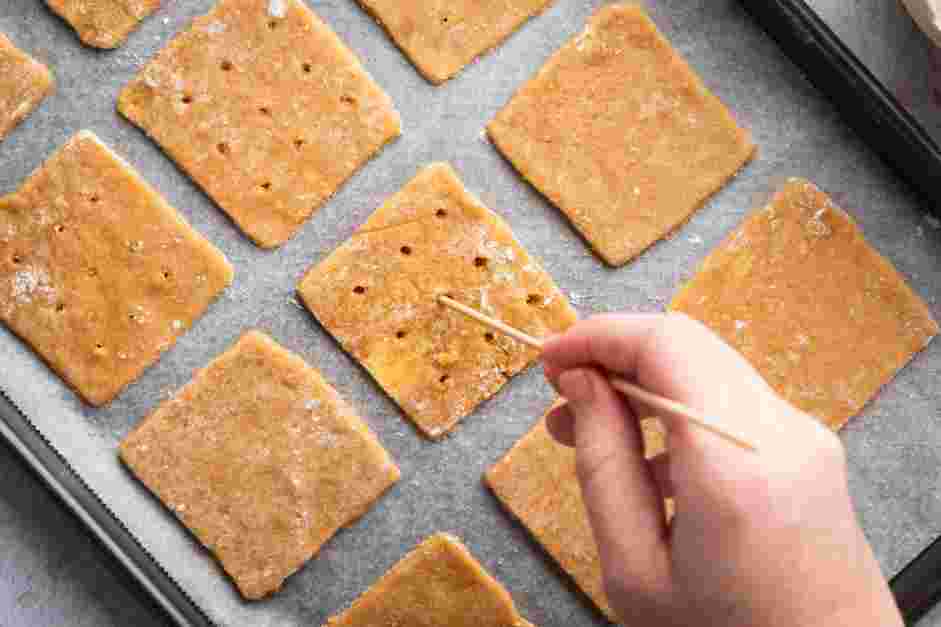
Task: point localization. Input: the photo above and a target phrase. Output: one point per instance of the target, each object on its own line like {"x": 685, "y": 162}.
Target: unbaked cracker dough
{"x": 438, "y": 584}
{"x": 266, "y": 109}
{"x": 261, "y": 459}
{"x": 98, "y": 274}
{"x": 823, "y": 317}
{"x": 24, "y": 83}
{"x": 104, "y": 23}
{"x": 537, "y": 483}
{"x": 377, "y": 294}
{"x": 442, "y": 37}
{"x": 620, "y": 133}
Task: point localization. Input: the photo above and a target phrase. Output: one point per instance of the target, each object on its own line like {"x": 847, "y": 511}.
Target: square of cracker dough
{"x": 262, "y": 460}
{"x": 438, "y": 584}
{"x": 619, "y": 133}
{"x": 24, "y": 83}
{"x": 441, "y": 38}
{"x": 824, "y": 318}
{"x": 98, "y": 274}
{"x": 377, "y": 295}
{"x": 265, "y": 108}
{"x": 537, "y": 483}
{"x": 103, "y": 23}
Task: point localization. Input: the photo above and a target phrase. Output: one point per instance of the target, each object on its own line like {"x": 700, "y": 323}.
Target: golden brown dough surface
{"x": 377, "y": 294}
{"x": 262, "y": 460}
{"x": 438, "y": 584}
{"x": 442, "y": 37}
{"x": 817, "y": 311}
{"x": 98, "y": 274}
{"x": 24, "y": 83}
{"x": 536, "y": 482}
{"x": 104, "y": 23}
{"x": 266, "y": 109}
{"x": 619, "y": 132}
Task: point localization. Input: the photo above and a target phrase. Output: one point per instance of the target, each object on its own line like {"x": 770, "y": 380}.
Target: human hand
{"x": 762, "y": 539}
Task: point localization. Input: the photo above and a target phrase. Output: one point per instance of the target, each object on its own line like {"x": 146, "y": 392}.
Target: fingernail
{"x": 576, "y": 386}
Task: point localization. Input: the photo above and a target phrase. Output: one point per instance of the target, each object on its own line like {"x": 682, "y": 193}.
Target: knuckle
{"x": 643, "y": 595}
{"x": 597, "y": 346}
{"x": 652, "y": 347}
{"x": 593, "y": 463}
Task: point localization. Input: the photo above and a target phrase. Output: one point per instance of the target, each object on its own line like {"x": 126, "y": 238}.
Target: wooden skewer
{"x": 493, "y": 323}
{"x": 624, "y": 387}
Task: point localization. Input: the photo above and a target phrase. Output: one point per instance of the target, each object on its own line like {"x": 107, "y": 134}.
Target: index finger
{"x": 677, "y": 357}
{"x": 613, "y": 342}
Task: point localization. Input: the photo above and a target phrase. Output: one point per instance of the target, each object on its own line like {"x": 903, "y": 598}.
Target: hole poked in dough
{"x": 534, "y": 299}
{"x": 401, "y": 334}
{"x": 359, "y": 289}
{"x": 223, "y": 148}
{"x": 441, "y": 213}
{"x": 226, "y": 66}
{"x": 480, "y": 262}
{"x": 406, "y": 250}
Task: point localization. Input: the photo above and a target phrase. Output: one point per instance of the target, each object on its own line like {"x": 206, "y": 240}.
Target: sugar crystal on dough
{"x": 238, "y": 457}
{"x": 620, "y": 133}
{"x": 433, "y": 362}
{"x": 80, "y": 299}
{"x": 830, "y": 321}
{"x": 229, "y": 98}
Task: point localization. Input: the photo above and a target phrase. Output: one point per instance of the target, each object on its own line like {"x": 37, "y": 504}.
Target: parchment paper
{"x": 893, "y": 447}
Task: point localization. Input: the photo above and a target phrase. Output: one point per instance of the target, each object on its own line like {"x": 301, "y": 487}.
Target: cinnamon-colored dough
{"x": 104, "y": 23}
{"x": 377, "y": 294}
{"x": 438, "y": 584}
{"x": 619, "y": 132}
{"x": 261, "y": 459}
{"x": 537, "y": 483}
{"x": 24, "y": 83}
{"x": 97, "y": 272}
{"x": 264, "y": 107}
{"x": 442, "y": 37}
{"x": 818, "y": 312}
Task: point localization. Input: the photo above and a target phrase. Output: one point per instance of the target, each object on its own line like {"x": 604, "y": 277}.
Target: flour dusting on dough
{"x": 28, "y": 282}
{"x": 277, "y": 8}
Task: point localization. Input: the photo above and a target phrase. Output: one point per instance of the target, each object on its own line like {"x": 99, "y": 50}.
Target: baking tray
{"x": 892, "y": 447}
